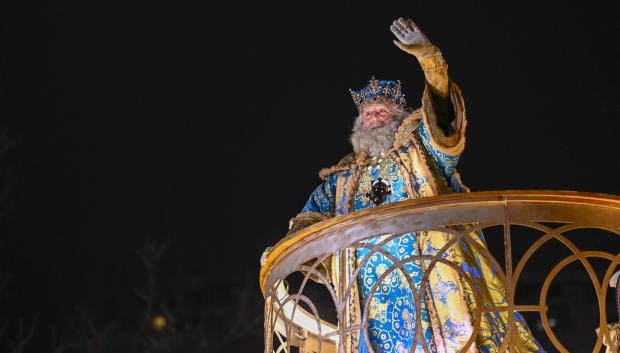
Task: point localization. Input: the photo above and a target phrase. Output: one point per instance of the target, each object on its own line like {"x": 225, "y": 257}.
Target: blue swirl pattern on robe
{"x": 445, "y": 161}
{"x": 322, "y": 198}
{"x": 391, "y": 318}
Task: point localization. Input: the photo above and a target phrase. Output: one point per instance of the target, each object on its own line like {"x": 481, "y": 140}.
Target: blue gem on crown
{"x": 379, "y": 91}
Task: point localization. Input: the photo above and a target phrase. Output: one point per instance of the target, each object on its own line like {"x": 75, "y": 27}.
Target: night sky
{"x": 205, "y": 124}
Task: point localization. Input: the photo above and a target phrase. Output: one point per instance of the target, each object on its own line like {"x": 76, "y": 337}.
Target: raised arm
{"x": 413, "y": 41}
{"x": 443, "y": 127}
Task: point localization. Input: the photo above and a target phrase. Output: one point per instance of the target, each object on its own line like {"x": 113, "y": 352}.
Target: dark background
{"x": 202, "y": 125}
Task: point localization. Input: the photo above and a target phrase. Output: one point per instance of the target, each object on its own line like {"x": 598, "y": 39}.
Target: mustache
{"x": 375, "y": 140}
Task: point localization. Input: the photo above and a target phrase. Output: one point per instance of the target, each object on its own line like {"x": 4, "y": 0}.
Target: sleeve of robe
{"x": 442, "y": 129}
{"x": 445, "y": 148}
{"x": 320, "y": 205}
{"x": 322, "y": 198}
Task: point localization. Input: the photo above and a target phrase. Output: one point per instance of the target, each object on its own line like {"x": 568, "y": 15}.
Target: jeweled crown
{"x": 379, "y": 91}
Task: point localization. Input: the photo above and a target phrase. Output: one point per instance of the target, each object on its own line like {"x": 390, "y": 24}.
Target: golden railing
{"x": 292, "y": 319}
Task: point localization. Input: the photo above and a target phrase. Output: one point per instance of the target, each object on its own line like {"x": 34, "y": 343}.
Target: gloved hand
{"x": 410, "y": 38}
{"x": 413, "y": 41}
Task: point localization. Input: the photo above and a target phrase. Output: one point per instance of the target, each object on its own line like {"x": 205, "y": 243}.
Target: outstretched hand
{"x": 410, "y": 38}
{"x": 413, "y": 41}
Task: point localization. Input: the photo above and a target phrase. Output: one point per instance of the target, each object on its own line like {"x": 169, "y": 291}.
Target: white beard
{"x": 378, "y": 140}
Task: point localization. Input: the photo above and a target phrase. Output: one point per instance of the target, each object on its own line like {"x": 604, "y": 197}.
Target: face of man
{"x": 376, "y": 115}
{"x": 374, "y": 128}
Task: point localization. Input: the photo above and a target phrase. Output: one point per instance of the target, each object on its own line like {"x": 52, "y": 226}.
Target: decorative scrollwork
{"x": 292, "y": 319}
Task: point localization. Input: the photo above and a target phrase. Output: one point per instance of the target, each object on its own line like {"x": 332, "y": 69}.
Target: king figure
{"x": 398, "y": 154}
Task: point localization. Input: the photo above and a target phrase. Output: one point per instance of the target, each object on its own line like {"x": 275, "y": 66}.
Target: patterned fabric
{"x": 386, "y": 169}
{"x": 392, "y": 307}
{"x": 322, "y": 199}
{"x": 418, "y": 168}
{"x": 445, "y": 161}
{"x": 391, "y": 317}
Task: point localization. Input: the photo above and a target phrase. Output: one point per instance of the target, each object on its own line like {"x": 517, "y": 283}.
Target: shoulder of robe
{"x": 346, "y": 163}
{"x": 407, "y": 128}
{"x": 351, "y": 161}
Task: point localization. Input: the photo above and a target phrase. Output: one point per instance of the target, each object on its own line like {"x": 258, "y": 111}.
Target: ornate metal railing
{"x": 292, "y": 321}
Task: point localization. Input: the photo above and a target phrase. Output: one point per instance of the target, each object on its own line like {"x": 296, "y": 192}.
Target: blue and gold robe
{"x": 421, "y": 164}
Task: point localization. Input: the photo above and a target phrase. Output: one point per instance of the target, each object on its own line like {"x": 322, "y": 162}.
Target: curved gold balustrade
{"x": 288, "y": 325}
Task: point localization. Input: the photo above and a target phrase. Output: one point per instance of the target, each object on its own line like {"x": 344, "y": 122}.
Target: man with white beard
{"x": 400, "y": 154}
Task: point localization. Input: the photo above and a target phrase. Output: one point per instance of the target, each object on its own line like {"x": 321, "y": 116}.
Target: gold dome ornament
{"x": 159, "y": 322}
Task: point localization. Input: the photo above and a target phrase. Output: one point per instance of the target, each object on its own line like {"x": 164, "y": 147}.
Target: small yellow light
{"x": 159, "y": 322}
